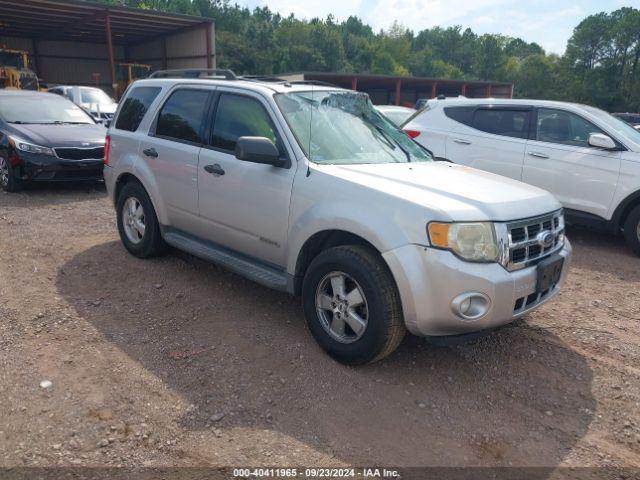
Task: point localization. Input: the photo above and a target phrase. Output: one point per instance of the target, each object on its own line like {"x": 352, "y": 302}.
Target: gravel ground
{"x": 107, "y": 360}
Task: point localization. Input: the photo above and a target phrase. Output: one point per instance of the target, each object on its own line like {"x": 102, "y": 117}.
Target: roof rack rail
{"x": 195, "y": 73}
{"x": 320, "y": 83}
{"x": 263, "y": 78}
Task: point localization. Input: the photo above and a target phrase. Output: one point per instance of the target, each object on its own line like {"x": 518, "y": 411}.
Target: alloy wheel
{"x": 133, "y": 220}
{"x": 4, "y": 172}
{"x": 342, "y": 307}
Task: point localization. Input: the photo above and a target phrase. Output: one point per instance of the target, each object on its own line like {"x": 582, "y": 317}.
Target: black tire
{"x": 12, "y": 183}
{"x": 151, "y": 243}
{"x": 632, "y": 230}
{"x": 385, "y": 326}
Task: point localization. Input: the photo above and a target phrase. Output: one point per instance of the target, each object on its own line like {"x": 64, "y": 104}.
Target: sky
{"x": 549, "y": 23}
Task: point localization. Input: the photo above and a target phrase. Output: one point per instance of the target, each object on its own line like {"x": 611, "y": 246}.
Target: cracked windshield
{"x": 344, "y": 128}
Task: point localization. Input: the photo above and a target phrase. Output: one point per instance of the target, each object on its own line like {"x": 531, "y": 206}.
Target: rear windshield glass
{"x": 135, "y": 107}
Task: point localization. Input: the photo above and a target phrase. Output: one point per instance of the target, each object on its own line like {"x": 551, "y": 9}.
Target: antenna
{"x": 310, "y": 123}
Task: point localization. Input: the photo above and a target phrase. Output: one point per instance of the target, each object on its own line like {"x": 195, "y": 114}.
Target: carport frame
{"x": 81, "y": 21}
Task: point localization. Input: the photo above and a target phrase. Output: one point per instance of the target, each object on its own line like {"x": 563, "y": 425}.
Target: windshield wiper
{"x": 392, "y": 140}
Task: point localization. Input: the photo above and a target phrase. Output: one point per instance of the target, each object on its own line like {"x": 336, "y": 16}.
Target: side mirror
{"x": 259, "y": 150}
{"x": 599, "y": 140}
{"x": 106, "y": 122}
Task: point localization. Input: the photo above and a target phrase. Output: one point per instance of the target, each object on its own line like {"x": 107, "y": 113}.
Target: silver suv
{"x": 307, "y": 189}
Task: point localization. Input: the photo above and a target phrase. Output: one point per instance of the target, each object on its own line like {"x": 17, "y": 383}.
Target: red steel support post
{"x": 112, "y": 65}
{"x": 209, "y": 38}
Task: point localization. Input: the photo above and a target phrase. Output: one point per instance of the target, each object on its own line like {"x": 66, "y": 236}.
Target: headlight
{"x": 475, "y": 242}
{"x": 31, "y": 148}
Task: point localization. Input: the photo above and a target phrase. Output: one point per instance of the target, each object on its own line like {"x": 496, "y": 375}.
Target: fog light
{"x": 470, "y": 306}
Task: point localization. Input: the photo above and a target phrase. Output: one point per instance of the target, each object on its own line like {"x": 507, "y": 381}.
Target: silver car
{"x": 309, "y": 190}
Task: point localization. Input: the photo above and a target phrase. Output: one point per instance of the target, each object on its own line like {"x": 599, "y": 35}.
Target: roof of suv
{"x": 263, "y": 86}
{"x": 503, "y": 101}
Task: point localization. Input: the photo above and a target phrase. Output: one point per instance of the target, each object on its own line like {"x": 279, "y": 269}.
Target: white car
{"x": 396, "y": 114}
{"x": 587, "y": 158}
{"x": 100, "y": 105}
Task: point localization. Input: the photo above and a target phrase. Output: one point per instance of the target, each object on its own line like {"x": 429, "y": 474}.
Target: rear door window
{"x": 135, "y": 107}
{"x": 181, "y": 117}
{"x": 506, "y": 122}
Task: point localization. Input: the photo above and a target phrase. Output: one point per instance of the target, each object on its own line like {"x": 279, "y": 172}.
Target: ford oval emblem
{"x": 545, "y": 239}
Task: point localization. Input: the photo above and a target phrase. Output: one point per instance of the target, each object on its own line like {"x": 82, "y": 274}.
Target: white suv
{"x": 309, "y": 190}
{"x": 587, "y": 158}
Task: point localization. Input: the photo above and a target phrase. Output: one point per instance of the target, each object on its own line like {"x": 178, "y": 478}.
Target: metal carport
{"x": 70, "y": 41}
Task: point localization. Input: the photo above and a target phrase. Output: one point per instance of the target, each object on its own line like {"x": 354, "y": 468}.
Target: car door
{"x": 243, "y": 205}
{"x": 559, "y": 159}
{"x": 490, "y": 138}
{"x": 171, "y": 152}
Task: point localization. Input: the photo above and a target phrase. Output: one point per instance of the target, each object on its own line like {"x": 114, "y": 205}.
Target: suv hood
{"x": 86, "y": 135}
{"x": 460, "y": 193}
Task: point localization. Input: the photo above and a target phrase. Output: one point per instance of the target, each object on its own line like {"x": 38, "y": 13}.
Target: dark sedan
{"x": 47, "y": 138}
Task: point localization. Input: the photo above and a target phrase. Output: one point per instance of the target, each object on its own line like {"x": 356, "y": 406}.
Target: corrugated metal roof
{"x": 81, "y": 21}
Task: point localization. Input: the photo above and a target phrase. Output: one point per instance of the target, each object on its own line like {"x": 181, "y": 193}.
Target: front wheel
{"x": 352, "y": 305}
{"x": 632, "y": 230}
{"x": 8, "y": 181}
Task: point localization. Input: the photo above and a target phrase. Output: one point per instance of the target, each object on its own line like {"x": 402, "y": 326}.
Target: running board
{"x": 240, "y": 264}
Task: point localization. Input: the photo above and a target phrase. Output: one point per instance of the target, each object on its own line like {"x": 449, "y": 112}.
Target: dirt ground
{"x": 174, "y": 362}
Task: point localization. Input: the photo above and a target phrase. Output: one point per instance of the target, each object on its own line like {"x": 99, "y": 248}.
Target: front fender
{"x": 367, "y": 223}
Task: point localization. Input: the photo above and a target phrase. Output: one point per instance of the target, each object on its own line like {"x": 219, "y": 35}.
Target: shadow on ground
{"x": 518, "y": 397}
{"x": 603, "y": 252}
{"x": 53, "y": 193}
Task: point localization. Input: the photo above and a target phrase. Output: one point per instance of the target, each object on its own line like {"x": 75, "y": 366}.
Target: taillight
{"x": 412, "y": 133}
{"x": 107, "y": 147}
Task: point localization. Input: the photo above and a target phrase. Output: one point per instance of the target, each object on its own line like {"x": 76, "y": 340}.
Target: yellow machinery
{"x": 15, "y": 72}
{"x": 128, "y": 73}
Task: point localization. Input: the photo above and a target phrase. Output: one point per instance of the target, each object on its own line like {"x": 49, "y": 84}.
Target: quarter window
{"x": 182, "y": 115}
{"x": 558, "y": 126}
{"x": 507, "y": 122}
{"x": 238, "y": 116}
{"x": 460, "y": 114}
{"x": 135, "y": 107}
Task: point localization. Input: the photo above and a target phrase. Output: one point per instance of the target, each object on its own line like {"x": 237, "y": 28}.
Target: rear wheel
{"x": 137, "y": 222}
{"x": 8, "y": 181}
{"x": 352, "y": 305}
{"x": 632, "y": 230}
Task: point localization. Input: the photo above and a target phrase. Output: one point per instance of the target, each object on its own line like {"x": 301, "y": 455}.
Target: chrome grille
{"x": 533, "y": 239}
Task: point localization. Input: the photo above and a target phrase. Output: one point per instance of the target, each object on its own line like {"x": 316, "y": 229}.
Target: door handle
{"x": 214, "y": 169}
{"x": 150, "y": 152}
{"x": 462, "y": 141}
{"x": 538, "y": 155}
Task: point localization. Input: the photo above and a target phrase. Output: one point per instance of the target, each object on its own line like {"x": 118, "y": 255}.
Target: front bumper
{"x": 429, "y": 279}
{"x": 44, "y": 168}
